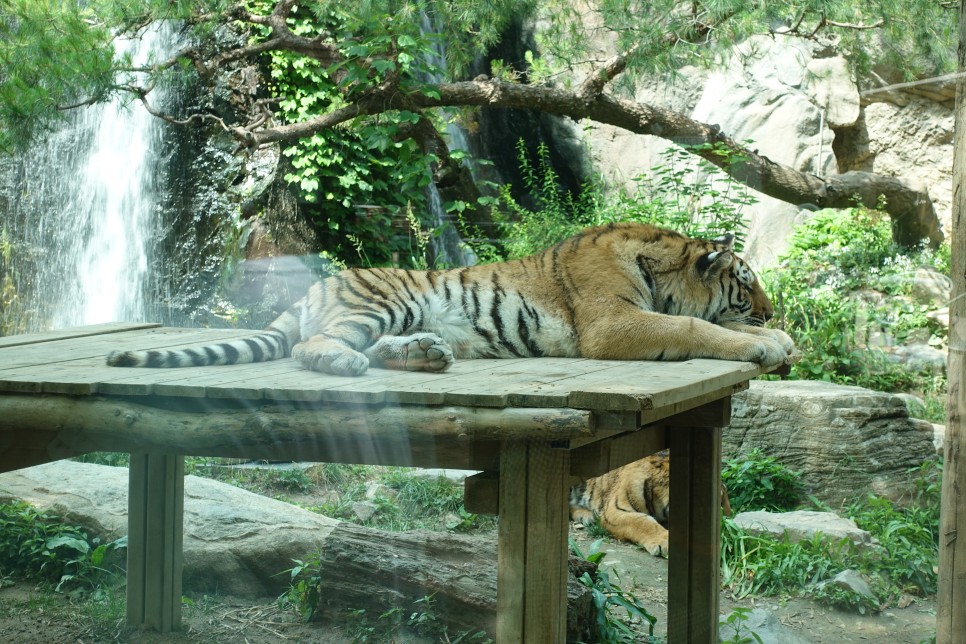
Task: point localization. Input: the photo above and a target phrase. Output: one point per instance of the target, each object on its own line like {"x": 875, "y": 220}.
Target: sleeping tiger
{"x": 624, "y": 291}
{"x": 631, "y": 502}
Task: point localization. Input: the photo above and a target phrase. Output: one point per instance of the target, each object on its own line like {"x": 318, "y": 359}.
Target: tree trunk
{"x": 361, "y": 568}
{"x": 951, "y": 615}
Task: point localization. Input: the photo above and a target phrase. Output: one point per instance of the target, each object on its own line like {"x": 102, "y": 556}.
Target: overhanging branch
{"x": 908, "y": 204}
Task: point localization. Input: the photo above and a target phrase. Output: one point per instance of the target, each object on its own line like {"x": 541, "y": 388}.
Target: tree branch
{"x": 908, "y": 204}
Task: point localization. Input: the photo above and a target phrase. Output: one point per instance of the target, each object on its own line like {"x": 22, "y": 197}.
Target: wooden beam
{"x": 532, "y": 557}
{"x": 695, "y": 535}
{"x": 154, "y": 548}
{"x": 202, "y": 428}
{"x": 481, "y": 493}
{"x": 951, "y": 595}
{"x": 609, "y": 454}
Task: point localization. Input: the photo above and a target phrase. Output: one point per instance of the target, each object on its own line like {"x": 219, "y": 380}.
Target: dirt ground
{"x": 28, "y": 616}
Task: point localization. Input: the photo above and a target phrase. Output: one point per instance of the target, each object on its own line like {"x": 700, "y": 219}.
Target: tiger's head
{"x": 734, "y": 293}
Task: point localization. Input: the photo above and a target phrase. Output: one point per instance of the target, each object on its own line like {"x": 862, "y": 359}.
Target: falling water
{"x": 84, "y": 204}
{"x": 448, "y": 247}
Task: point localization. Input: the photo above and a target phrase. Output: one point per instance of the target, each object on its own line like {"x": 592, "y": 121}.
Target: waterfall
{"x": 82, "y": 208}
{"x": 448, "y": 248}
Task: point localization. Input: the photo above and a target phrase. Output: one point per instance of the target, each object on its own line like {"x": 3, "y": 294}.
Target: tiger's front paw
{"x": 766, "y": 352}
{"x": 783, "y": 339}
{"x": 658, "y": 548}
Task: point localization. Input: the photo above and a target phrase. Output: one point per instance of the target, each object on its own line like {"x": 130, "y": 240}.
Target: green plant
{"x": 759, "y": 482}
{"x": 338, "y": 172}
{"x": 37, "y": 545}
{"x": 753, "y": 565}
{"x": 705, "y": 204}
{"x": 608, "y": 597}
{"x": 844, "y": 599}
{"x": 735, "y": 620}
{"x": 304, "y": 591}
{"x": 842, "y": 292}
{"x": 906, "y": 562}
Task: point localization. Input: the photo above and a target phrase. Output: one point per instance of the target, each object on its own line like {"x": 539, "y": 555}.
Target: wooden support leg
{"x": 695, "y": 535}
{"x": 154, "y": 546}
{"x": 532, "y": 560}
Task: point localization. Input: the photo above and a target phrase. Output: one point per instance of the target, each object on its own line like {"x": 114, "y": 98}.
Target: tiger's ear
{"x": 719, "y": 259}
{"x": 725, "y": 242}
{"x": 711, "y": 264}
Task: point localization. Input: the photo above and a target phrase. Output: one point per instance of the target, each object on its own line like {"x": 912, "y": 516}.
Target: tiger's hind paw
{"x": 417, "y": 352}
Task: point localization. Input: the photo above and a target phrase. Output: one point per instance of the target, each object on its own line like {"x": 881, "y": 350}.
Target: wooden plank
{"x": 95, "y": 348}
{"x": 407, "y": 387}
{"x": 155, "y": 533}
{"x": 512, "y": 543}
{"x": 481, "y": 493}
{"x": 242, "y": 382}
{"x": 545, "y": 594}
{"x": 605, "y": 455}
{"x": 653, "y": 385}
{"x": 694, "y": 535}
{"x": 74, "y": 332}
{"x": 503, "y": 384}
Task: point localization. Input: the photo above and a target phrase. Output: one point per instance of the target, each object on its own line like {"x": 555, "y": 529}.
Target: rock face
{"x": 847, "y": 441}
{"x": 799, "y": 106}
{"x": 235, "y": 542}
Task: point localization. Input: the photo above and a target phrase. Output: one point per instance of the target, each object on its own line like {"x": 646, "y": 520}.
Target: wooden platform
{"x": 530, "y": 425}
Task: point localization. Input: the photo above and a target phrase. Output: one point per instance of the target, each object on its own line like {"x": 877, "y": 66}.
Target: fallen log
{"x": 362, "y": 568}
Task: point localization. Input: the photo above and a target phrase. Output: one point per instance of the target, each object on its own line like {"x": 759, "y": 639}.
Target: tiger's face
{"x": 734, "y": 289}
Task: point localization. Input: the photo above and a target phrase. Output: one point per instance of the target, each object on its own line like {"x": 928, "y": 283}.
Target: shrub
{"x": 759, "y": 482}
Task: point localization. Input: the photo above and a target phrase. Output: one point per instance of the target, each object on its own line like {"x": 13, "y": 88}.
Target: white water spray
{"x": 86, "y": 203}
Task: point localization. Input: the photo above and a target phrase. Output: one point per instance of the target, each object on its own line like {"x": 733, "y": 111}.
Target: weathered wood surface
{"x": 951, "y": 595}
{"x": 75, "y": 366}
{"x": 62, "y": 426}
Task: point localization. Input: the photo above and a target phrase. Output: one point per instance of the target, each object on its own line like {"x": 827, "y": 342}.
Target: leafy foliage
{"x": 759, "y": 482}
{"x": 908, "y": 534}
{"x": 609, "y": 598}
{"x": 691, "y": 197}
{"x": 822, "y": 289}
{"x": 373, "y": 162}
{"x": 664, "y": 36}
{"x": 37, "y": 545}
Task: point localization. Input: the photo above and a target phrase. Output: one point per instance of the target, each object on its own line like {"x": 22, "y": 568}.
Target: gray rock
{"x": 929, "y": 286}
{"x": 846, "y": 441}
{"x": 804, "y": 524}
{"x": 235, "y": 542}
{"x": 364, "y": 510}
{"x": 919, "y": 357}
{"x": 851, "y": 581}
{"x": 764, "y": 624}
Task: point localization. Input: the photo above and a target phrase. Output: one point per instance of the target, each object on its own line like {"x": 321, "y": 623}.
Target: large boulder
{"x": 845, "y": 441}
{"x": 235, "y": 542}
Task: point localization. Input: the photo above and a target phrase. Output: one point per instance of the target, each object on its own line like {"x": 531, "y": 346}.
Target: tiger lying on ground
{"x": 624, "y": 291}
{"x": 631, "y": 502}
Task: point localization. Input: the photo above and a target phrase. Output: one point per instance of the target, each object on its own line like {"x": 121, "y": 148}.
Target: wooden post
{"x": 532, "y": 557}
{"x": 694, "y": 535}
{"x": 154, "y": 545}
{"x": 951, "y": 611}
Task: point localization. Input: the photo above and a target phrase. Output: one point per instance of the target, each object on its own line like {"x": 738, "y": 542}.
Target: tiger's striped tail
{"x": 274, "y": 343}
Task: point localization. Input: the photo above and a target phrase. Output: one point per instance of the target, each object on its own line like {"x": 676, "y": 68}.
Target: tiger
{"x": 631, "y": 502}
{"x": 621, "y": 291}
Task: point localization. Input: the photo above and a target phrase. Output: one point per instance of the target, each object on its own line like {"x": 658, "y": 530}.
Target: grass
{"x": 905, "y": 564}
